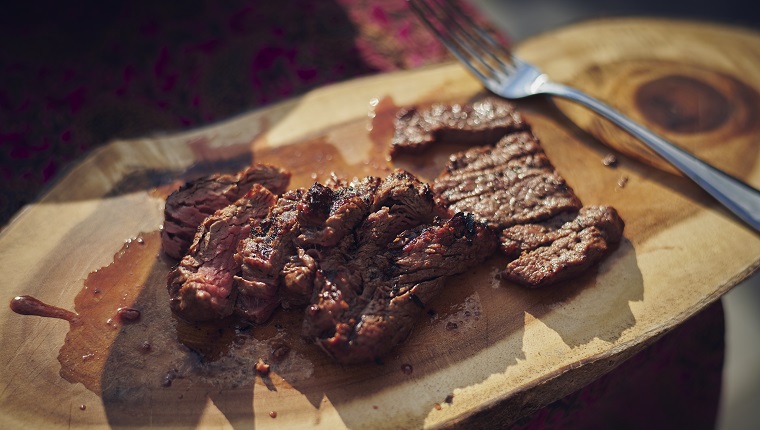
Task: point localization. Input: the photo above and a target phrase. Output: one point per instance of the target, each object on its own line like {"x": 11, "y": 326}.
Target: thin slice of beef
{"x": 510, "y": 183}
{"x": 201, "y": 286}
{"x": 187, "y": 207}
{"x": 367, "y": 301}
{"x": 483, "y": 122}
{"x": 562, "y": 247}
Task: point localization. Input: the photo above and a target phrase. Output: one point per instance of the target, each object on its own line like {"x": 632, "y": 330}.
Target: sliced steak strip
{"x": 367, "y": 301}
{"x": 562, "y": 247}
{"x": 482, "y": 122}
{"x": 201, "y": 286}
{"x": 329, "y": 213}
{"x": 262, "y": 257}
{"x": 510, "y": 183}
{"x": 187, "y": 207}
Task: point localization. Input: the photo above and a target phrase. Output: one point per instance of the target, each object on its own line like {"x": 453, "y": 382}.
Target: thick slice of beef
{"x": 511, "y": 186}
{"x": 262, "y": 257}
{"x": 201, "y": 286}
{"x": 187, "y": 207}
{"x": 329, "y": 213}
{"x": 406, "y": 200}
{"x": 510, "y": 183}
{"x": 562, "y": 247}
{"x": 368, "y": 300}
{"x": 483, "y": 122}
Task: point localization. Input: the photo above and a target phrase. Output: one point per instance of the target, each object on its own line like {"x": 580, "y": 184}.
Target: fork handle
{"x": 739, "y": 197}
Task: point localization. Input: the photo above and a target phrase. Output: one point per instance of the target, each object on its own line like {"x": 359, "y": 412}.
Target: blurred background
{"x": 740, "y": 394}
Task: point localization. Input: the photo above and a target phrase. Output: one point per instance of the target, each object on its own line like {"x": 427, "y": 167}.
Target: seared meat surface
{"x": 361, "y": 257}
{"x": 510, "y": 183}
{"x": 262, "y": 257}
{"x": 483, "y": 121}
{"x": 562, "y": 247}
{"x": 187, "y": 207}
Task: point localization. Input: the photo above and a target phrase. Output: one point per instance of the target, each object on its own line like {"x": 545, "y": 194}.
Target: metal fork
{"x": 508, "y": 76}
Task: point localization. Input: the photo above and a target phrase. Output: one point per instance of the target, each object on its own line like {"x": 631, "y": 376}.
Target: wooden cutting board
{"x": 486, "y": 351}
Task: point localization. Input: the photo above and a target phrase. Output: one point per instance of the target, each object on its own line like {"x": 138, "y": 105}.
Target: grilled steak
{"x": 201, "y": 286}
{"x": 369, "y": 294}
{"x": 562, "y": 247}
{"x": 484, "y": 121}
{"x": 279, "y": 260}
{"x": 510, "y": 183}
{"x": 328, "y": 214}
{"x": 187, "y": 207}
{"x": 369, "y": 250}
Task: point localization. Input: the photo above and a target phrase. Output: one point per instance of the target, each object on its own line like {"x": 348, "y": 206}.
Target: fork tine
{"x": 477, "y": 36}
{"x": 474, "y": 47}
{"x": 424, "y": 12}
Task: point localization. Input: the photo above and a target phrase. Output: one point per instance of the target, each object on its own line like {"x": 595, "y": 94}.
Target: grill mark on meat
{"x": 562, "y": 247}
{"x": 515, "y": 146}
{"x": 279, "y": 260}
{"x": 187, "y": 207}
{"x": 511, "y": 183}
{"x": 486, "y": 120}
{"x": 201, "y": 286}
